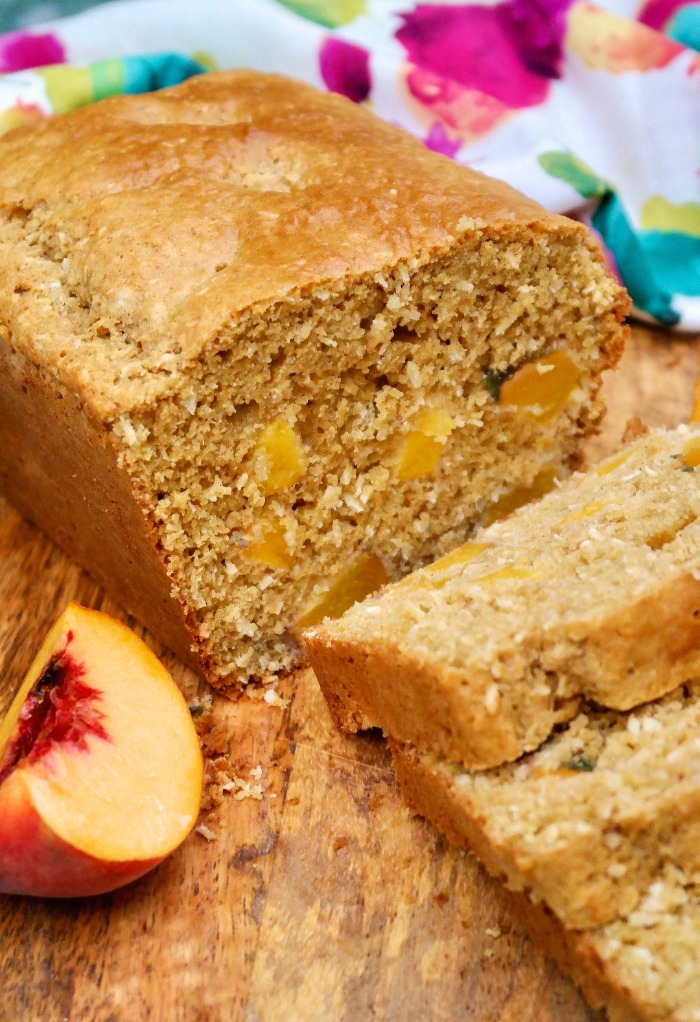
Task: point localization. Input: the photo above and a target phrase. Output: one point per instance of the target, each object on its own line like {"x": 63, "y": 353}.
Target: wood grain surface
{"x": 324, "y": 899}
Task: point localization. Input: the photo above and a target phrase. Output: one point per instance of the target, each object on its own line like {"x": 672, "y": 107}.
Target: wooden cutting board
{"x": 322, "y": 900}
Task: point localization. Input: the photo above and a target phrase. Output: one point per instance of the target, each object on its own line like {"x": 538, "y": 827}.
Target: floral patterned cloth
{"x": 594, "y": 110}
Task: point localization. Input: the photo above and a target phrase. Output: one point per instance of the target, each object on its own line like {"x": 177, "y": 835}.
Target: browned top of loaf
{"x": 141, "y": 230}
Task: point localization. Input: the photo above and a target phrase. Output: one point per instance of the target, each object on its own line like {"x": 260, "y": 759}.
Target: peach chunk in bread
{"x": 100, "y": 765}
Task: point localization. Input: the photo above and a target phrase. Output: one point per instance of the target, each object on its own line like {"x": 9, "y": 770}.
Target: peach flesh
{"x": 59, "y": 708}
{"x": 100, "y": 766}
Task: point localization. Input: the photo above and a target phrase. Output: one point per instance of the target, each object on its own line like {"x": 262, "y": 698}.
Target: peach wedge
{"x": 100, "y": 766}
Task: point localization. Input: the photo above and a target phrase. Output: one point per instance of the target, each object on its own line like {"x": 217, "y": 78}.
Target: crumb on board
{"x": 200, "y": 705}
{"x": 273, "y": 698}
{"x": 244, "y": 789}
{"x": 224, "y": 775}
{"x": 220, "y": 775}
{"x": 267, "y": 694}
{"x": 206, "y": 832}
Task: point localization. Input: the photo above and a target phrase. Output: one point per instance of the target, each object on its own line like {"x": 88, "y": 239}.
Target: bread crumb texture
{"x": 320, "y": 353}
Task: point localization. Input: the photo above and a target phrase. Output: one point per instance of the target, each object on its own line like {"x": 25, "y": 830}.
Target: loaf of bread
{"x": 597, "y": 834}
{"x": 592, "y": 592}
{"x": 260, "y": 352}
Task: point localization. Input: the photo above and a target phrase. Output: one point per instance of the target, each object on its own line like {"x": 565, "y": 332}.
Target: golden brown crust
{"x": 62, "y": 474}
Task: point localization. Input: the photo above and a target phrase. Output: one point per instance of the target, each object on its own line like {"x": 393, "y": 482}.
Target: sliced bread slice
{"x": 597, "y": 837}
{"x": 590, "y": 819}
{"x": 592, "y": 592}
